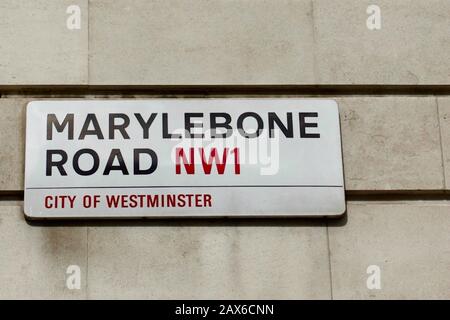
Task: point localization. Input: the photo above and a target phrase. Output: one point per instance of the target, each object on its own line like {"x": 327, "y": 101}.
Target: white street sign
{"x": 183, "y": 158}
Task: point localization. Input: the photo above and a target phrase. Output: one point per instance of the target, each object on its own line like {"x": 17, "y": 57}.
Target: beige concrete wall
{"x": 224, "y": 42}
{"x": 402, "y": 133}
{"x": 396, "y": 147}
{"x": 247, "y": 259}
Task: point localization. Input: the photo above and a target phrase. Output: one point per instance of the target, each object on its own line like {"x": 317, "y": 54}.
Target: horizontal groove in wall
{"x": 59, "y": 91}
{"x": 397, "y": 195}
{"x": 351, "y": 195}
{"x": 11, "y": 195}
{"x": 365, "y": 196}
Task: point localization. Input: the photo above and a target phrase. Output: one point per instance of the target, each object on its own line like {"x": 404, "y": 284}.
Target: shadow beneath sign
{"x": 194, "y": 222}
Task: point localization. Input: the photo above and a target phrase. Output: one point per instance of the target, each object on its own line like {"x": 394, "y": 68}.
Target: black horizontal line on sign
{"x": 227, "y": 186}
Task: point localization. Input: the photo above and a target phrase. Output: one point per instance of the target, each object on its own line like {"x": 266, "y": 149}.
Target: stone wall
{"x": 393, "y": 90}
